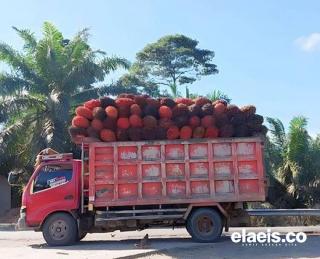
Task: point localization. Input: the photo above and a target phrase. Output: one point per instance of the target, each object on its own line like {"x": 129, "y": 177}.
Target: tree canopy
{"x": 172, "y": 61}
{"x": 48, "y": 77}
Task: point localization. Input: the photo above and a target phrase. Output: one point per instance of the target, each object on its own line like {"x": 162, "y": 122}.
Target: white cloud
{"x": 309, "y": 43}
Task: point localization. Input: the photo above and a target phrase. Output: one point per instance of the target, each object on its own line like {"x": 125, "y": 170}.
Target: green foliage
{"x": 131, "y": 83}
{"x": 172, "y": 61}
{"x": 218, "y": 95}
{"x": 49, "y": 76}
{"x": 293, "y": 158}
{"x": 213, "y": 96}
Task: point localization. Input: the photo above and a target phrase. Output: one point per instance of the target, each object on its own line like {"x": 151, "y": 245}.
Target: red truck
{"x": 124, "y": 186}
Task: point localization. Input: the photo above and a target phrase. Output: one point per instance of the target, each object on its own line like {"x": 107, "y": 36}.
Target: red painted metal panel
{"x": 167, "y": 172}
{"x": 151, "y": 190}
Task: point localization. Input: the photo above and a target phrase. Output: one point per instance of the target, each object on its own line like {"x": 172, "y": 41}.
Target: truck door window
{"x": 52, "y": 176}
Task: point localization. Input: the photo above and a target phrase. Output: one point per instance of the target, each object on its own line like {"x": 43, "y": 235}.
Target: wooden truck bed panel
{"x": 167, "y": 172}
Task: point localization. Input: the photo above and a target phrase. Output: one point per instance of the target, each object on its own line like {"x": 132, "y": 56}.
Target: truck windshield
{"x": 52, "y": 176}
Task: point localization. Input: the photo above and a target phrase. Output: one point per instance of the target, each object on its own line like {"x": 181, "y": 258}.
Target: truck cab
{"x": 53, "y": 187}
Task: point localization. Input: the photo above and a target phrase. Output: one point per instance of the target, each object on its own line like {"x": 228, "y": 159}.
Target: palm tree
{"x": 47, "y": 78}
{"x": 294, "y": 159}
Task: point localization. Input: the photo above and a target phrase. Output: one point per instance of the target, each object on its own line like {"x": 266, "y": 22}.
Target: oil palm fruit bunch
{"x": 131, "y": 117}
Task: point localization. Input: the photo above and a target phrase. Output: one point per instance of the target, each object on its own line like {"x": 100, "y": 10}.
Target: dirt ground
{"x": 11, "y": 216}
{"x": 163, "y": 243}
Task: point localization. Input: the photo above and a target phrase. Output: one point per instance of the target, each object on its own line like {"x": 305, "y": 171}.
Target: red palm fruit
{"x": 248, "y": 110}
{"x": 165, "y": 123}
{"x": 91, "y": 104}
{"x": 198, "y": 132}
{"x": 75, "y": 132}
{"x": 107, "y": 135}
{"x": 98, "y": 113}
{"x": 148, "y": 133}
{"x": 180, "y": 110}
{"x": 201, "y": 101}
{"x": 224, "y": 102}
{"x": 124, "y": 111}
{"x": 93, "y": 133}
{"x": 185, "y": 101}
{"x": 80, "y": 122}
{"x": 85, "y": 112}
{"x": 151, "y": 110}
{"x": 173, "y": 132}
{"x": 195, "y": 110}
{"x": 123, "y": 123}
{"x": 207, "y": 121}
{"x": 232, "y": 110}
{"x": 167, "y": 102}
{"x": 124, "y": 102}
{"x": 181, "y": 121}
{"x": 212, "y": 132}
{"x": 135, "y": 134}
{"x": 165, "y": 112}
{"x": 106, "y": 101}
{"x": 110, "y": 123}
{"x": 194, "y": 121}
{"x": 122, "y": 135}
{"x": 222, "y": 119}
{"x": 149, "y": 122}
{"x": 135, "y": 121}
{"x": 186, "y": 132}
{"x": 226, "y": 131}
{"x": 153, "y": 102}
{"x": 97, "y": 124}
{"x": 140, "y": 100}
{"x": 135, "y": 109}
{"x": 207, "y": 109}
{"x": 161, "y": 133}
{"x": 111, "y": 112}
{"x": 219, "y": 108}
{"x": 125, "y": 95}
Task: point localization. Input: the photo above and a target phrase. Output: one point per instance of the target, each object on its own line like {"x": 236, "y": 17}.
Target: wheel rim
{"x": 205, "y": 225}
{"x": 58, "y": 230}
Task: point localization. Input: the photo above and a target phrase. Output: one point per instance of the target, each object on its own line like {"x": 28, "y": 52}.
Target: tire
{"x": 81, "y": 236}
{"x": 60, "y": 229}
{"x": 205, "y": 225}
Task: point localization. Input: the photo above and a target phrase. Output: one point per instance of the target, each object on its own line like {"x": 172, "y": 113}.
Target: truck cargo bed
{"x": 176, "y": 172}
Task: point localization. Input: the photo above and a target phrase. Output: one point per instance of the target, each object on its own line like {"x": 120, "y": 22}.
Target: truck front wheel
{"x": 204, "y": 225}
{"x": 60, "y": 229}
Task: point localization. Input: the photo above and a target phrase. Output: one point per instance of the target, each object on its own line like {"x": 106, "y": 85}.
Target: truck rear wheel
{"x": 204, "y": 225}
{"x": 60, "y": 229}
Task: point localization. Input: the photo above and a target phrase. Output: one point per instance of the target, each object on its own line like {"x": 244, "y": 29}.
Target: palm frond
{"x": 15, "y": 105}
{"x": 30, "y": 42}
{"x": 85, "y": 95}
{"x": 11, "y": 84}
{"x": 110, "y": 64}
{"x": 278, "y": 135}
{"x": 298, "y": 140}
{"x": 13, "y": 58}
{"x": 51, "y": 33}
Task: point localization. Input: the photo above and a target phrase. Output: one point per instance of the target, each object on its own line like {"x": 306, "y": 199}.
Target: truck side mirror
{"x": 13, "y": 178}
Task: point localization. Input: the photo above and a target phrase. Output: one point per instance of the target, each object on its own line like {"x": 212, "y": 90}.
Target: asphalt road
{"x": 163, "y": 243}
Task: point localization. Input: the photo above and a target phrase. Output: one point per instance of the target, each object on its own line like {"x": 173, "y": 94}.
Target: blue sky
{"x": 267, "y": 51}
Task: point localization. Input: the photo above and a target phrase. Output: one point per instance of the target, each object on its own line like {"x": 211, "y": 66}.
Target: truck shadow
{"x": 127, "y": 244}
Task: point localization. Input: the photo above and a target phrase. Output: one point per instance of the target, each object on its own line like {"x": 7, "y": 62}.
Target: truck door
{"x": 53, "y": 189}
